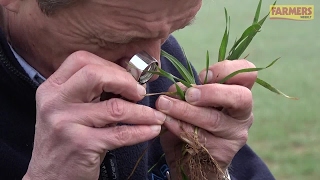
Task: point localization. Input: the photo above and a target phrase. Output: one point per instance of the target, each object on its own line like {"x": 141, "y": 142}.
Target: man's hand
{"x": 74, "y": 129}
{"x": 223, "y": 113}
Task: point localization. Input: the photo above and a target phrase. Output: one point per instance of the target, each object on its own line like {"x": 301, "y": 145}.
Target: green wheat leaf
{"x": 180, "y": 92}
{"x": 225, "y": 39}
{"x": 207, "y": 67}
{"x": 189, "y": 64}
{"x": 161, "y": 72}
{"x": 247, "y": 33}
{"x": 246, "y": 70}
{"x": 273, "y": 89}
{"x": 256, "y": 17}
{"x": 171, "y": 77}
{"x": 236, "y": 53}
{"x": 190, "y": 69}
{"x": 180, "y": 68}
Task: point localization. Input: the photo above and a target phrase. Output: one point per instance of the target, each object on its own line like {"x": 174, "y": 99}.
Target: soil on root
{"x": 197, "y": 161}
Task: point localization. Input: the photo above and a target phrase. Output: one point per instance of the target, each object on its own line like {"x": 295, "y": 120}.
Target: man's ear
{"x": 11, "y": 5}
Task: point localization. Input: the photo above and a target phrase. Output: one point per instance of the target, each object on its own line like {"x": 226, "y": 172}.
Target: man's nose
{"x": 151, "y": 46}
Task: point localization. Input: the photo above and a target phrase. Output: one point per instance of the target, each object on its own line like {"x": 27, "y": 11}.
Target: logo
{"x": 292, "y": 12}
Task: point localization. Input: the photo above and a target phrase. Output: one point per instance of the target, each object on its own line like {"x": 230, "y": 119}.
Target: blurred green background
{"x": 286, "y": 133}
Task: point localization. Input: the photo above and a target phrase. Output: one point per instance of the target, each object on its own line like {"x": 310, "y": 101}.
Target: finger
{"x": 114, "y": 111}
{"x": 207, "y": 118}
{"x": 187, "y": 132}
{"x": 173, "y": 88}
{"x": 210, "y": 119}
{"x": 90, "y": 81}
{"x": 75, "y": 62}
{"x": 178, "y": 127}
{"x": 222, "y": 69}
{"x": 120, "y": 136}
{"x": 209, "y": 140}
{"x": 222, "y": 149}
{"x": 221, "y": 146}
{"x": 237, "y": 100}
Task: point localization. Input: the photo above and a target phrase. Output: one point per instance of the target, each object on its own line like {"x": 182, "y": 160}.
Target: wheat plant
{"x": 193, "y": 152}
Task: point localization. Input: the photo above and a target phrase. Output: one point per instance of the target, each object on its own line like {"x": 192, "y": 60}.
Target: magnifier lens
{"x": 139, "y": 64}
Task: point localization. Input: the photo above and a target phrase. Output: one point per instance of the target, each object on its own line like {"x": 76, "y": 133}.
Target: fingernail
{"x": 141, "y": 90}
{"x": 164, "y": 104}
{"x": 156, "y": 128}
{"x": 202, "y": 76}
{"x": 160, "y": 116}
{"x": 169, "y": 119}
{"x": 193, "y": 94}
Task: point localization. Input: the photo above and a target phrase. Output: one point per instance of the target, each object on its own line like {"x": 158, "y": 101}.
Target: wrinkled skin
{"x": 113, "y": 29}
{"x": 82, "y": 51}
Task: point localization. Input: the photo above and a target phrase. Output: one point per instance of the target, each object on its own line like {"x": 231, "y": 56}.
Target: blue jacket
{"x": 17, "y": 120}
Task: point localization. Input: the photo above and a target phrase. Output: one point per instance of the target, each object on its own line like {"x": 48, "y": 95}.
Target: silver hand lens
{"x": 140, "y": 64}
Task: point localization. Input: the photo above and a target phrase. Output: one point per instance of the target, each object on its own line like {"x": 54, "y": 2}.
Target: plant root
{"x": 197, "y": 160}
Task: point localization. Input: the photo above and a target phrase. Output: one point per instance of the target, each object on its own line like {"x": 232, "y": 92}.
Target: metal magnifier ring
{"x": 140, "y": 64}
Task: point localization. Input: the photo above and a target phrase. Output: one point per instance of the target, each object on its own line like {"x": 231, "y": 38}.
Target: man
{"x": 58, "y": 56}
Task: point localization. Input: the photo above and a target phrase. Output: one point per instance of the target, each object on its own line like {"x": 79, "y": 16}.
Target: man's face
{"x": 112, "y": 29}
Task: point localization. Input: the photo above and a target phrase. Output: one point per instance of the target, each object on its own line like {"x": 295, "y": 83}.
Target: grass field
{"x": 286, "y": 133}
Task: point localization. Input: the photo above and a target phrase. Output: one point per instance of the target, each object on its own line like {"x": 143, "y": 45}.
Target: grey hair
{"x": 49, "y": 7}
